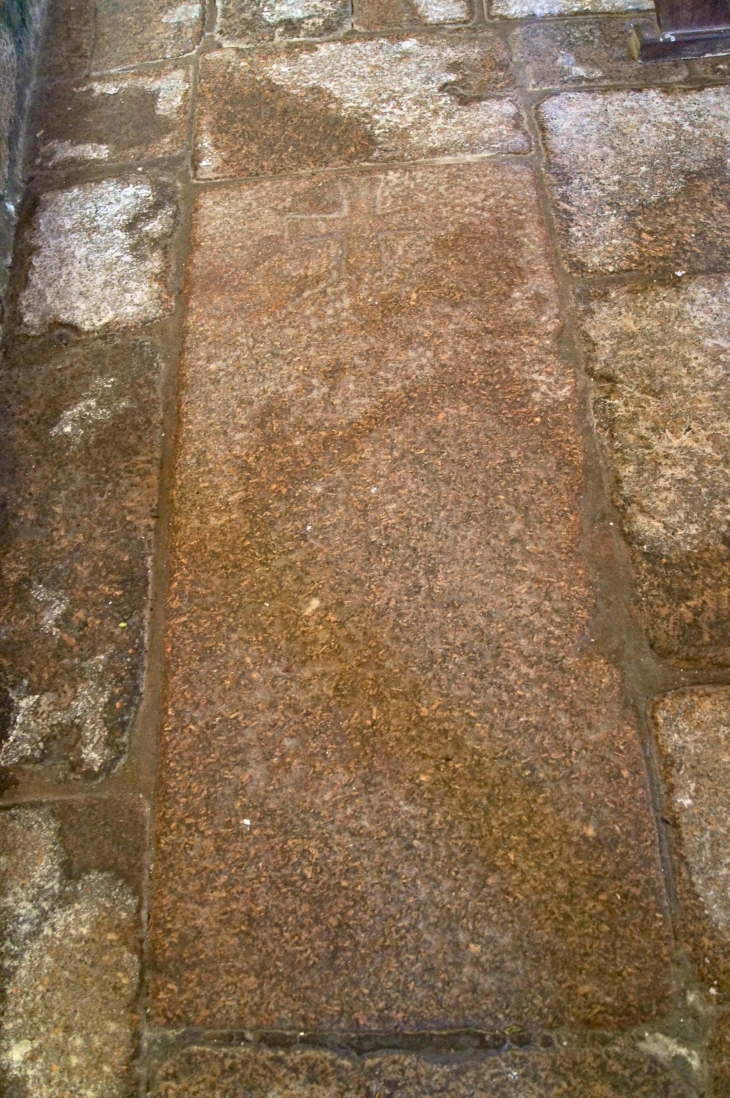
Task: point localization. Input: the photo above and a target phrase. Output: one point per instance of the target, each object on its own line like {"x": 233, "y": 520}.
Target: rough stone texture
{"x": 8, "y": 77}
{"x": 341, "y": 103}
{"x": 96, "y": 36}
{"x": 720, "y": 1054}
{"x": 100, "y": 255}
{"x": 659, "y": 356}
{"x": 693, "y": 731}
{"x": 640, "y": 178}
{"x": 387, "y": 14}
{"x": 244, "y": 21}
{"x": 70, "y": 964}
{"x": 125, "y": 117}
{"x": 585, "y": 51}
{"x": 79, "y": 456}
{"x": 518, "y": 9}
{"x": 601, "y": 1073}
{"x": 394, "y": 766}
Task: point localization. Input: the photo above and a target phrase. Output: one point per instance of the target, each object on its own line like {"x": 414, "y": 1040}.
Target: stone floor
{"x": 365, "y": 643}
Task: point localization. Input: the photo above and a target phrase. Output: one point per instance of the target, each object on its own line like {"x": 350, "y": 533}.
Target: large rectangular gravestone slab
{"x": 399, "y": 786}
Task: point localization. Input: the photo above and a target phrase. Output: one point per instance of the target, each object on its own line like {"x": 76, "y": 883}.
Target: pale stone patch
{"x": 443, "y": 11}
{"x": 170, "y": 89}
{"x": 693, "y": 728}
{"x": 97, "y": 406}
{"x": 614, "y": 152}
{"x": 59, "y": 151}
{"x": 517, "y": 9}
{"x": 663, "y": 356}
{"x": 68, "y": 1024}
{"x": 37, "y": 715}
{"x": 99, "y": 258}
{"x": 281, "y": 11}
{"x": 30, "y": 878}
{"x": 184, "y": 13}
{"x": 397, "y": 89}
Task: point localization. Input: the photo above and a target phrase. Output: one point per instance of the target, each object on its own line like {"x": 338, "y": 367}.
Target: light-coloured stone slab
{"x": 519, "y": 9}
{"x": 578, "y": 52}
{"x": 640, "y": 178}
{"x": 243, "y": 21}
{"x": 391, "y": 14}
{"x": 659, "y": 357}
{"x": 70, "y": 967}
{"x": 693, "y": 730}
{"x": 338, "y": 103}
{"x": 100, "y": 256}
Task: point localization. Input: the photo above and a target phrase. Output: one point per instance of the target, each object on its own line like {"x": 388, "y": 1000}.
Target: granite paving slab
{"x": 79, "y": 469}
{"x": 519, "y": 9}
{"x": 69, "y": 964}
{"x": 640, "y": 178}
{"x": 345, "y": 103}
{"x": 693, "y": 732}
{"x": 125, "y": 117}
{"x": 658, "y": 356}
{"x": 241, "y": 22}
{"x": 387, "y": 14}
{"x": 613, "y": 1072}
{"x": 399, "y": 786}
{"x": 99, "y": 255}
{"x": 97, "y": 36}
{"x": 578, "y": 52}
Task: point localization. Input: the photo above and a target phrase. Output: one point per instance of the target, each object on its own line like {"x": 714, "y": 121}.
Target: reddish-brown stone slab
{"x": 398, "y": 786}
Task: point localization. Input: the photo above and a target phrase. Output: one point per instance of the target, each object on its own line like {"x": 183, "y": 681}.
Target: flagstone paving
{"x": 364, "y": 646}
{"x": 379, "y": 462}
{"x": 304, "y": 108}
{"x": 659, "y": 358}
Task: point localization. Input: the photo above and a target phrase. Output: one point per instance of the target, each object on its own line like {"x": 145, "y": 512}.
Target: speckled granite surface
{"x": 363, "y": 524}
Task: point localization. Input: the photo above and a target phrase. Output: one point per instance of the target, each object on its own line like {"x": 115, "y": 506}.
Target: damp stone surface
{"x": 693, "y": 733}
{"x": 519, "y": 9}
{"x": 394, "y": 763}
{"x": 580, "y": 52}
{"x": 100, "y": 256}
{"x": 393, "y": 14}
{"x": 79, "y": 461}
{"x": 614, "y": 1072}
{"x": 241, "y": 22}
{"x": 125, "y": 117}
{"x": 69, "y": 966}
{"x": 87, "y": 36}
{"x": 640, "y": 178}
{"x": 340, "y": 103}
{"x": 658, "y": 356}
